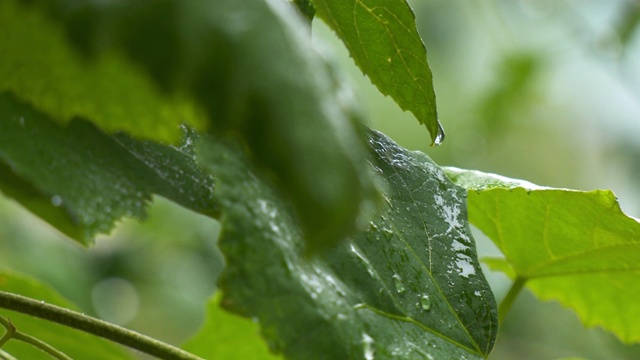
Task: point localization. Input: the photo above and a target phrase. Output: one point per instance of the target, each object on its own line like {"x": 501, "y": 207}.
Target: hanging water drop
{"x": 397, "y": 281}
{"x": 439, "y": 136}
{"x": 425, "y": 302}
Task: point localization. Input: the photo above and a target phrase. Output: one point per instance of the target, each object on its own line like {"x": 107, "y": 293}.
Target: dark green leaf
{"x": 76, "y": 344}
{"x": 383, "y": 40}
{"x": 410, "y": 287}
{"x": 249, "y": 65}
{"x": 81, "y": 180}
{"x": 576, "y": 247}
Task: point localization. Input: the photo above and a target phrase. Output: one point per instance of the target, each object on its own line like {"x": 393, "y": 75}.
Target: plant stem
{"x": 93, "y": 326}
{"x": 13, "y": 333}
{"x": 508, "y": 300}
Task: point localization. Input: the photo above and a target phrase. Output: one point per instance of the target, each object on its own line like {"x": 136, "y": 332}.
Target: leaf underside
{"x": 82, "y": 180}
{"x": 409, "y": 287}
{"x": 576, "y": 247}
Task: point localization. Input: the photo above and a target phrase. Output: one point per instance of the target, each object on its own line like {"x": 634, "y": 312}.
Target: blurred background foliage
{"x": 544, "y": 90}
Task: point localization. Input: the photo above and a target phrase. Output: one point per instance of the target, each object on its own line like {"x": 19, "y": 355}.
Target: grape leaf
{"x": 227, "y": 336}
{"x": 76, "y": 344}
{"x": 247, "y": 68}
{"x": 383, "y": 40}
{"x": 82, "y": 180}
{"x": 576, "y": 247}
{"x": 409, "y": 287}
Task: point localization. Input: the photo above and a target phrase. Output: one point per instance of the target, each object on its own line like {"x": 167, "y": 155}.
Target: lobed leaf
{"x": 241, "y": 69}
{"x": 576, "y": 247}
{"x": 82, "y": 180}
{"x": 383, "y": 40}
{"x": 409, "y": 287}
{"x": 76, "y": 344}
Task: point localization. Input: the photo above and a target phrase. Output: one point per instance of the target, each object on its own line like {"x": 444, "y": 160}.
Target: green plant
{"x": 340, "y": 243}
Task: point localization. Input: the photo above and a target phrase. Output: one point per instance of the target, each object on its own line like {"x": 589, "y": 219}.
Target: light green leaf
{"x": 383, "y": 40}
{"x": 76, "y": 344}
{"x": 228, "y": 336}
{"x": 410, "y": 287}
{"x": 38, "y": 64}
{"x": 576, "y": 247}
{"x": 82, "y": 181}
{"x": 249, "y": 66}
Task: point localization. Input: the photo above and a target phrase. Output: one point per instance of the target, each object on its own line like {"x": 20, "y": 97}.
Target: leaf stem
{"x": 13, "y": 333}
{"x": 93, "y": 326}
{"x": 508, "y": 300}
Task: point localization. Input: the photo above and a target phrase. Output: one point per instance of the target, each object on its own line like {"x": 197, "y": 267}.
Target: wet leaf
{"x": 82, "y": 180}
{"x": 576, "y": 247}
{"x": 228, "y": 336}
{"x": 383, "y": 40}
{"x": 244, "y": 69}
{"x": 409, "y": 287}
{"x": 76, "y": 344}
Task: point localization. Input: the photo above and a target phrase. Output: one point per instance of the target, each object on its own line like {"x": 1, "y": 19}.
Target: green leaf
{"x": 249, "y": 66}
{"x": 76, "y": 344}
{"x": 39, "y": 65}
{"x": 576, "y": 247}
{"x": 228, "y": 336}
{"x": 410, "y": 287}
{"x": 383, "y": 40}
{"x": 82, "y": 180}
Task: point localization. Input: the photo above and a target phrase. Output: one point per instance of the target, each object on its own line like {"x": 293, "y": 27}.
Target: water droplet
{"x": 363, "y": 259}
{"x": 425, "y": 302}
{"x": 439, "y": 136}
{"x": 56, "y": 200}
{"x": 389, "y": 60}
{"x": 367, "y": 341}
{"x": 397, "y": 281}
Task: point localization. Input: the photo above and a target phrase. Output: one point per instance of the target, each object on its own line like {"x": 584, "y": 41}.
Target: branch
{"x": 13, "y": 333}
{"x": 93, "y": 326}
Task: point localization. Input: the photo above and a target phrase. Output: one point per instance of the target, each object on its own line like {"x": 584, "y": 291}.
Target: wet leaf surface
{"x": 82, "y": 180}
{"x": 409, "y": 287}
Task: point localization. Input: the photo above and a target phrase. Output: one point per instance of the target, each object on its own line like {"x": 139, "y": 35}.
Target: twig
{"x": 93, "y": 326}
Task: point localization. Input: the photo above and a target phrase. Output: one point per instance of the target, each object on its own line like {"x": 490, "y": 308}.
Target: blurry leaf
{"x": 575, "y": 247}
{"x": 510, "y": 93}
{"x": 249, "y": 65}
{"x": 227, "y": 336}
{"x": 383, "y": 40}
{"x": 37, "y": 64}
{"x": 76, "y": 344}
{"x": 408, "y": 288}
{"x": 82, "y": 181}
